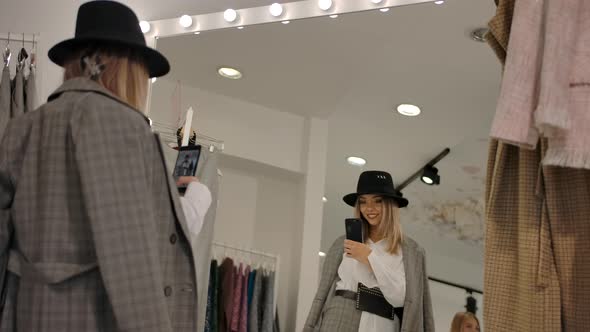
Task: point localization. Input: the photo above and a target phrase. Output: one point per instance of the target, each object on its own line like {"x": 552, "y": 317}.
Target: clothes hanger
{"x": 22, "y": 55}
{"x": 7, "y": 54}
{"x": 33, "y": 63}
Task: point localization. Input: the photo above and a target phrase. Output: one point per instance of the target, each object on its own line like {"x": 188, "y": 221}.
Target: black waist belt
{"x": 372, "y": 303}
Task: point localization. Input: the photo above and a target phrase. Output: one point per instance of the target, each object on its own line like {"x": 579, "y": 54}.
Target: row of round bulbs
{"x": 276, "y": 10}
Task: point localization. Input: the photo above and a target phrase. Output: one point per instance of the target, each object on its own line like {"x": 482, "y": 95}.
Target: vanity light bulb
{"x": 325, "y": 4}
{"x": 145, "y": 26}
{"x": 276, "y": 9}
{"x": 230, "y": 15}
{"x": 356, "y": 161}
{"x": 186, "y": 21}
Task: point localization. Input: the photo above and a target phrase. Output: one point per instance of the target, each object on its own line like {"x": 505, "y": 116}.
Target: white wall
{"x": 261, "y": 208}
{"x": 249, "y": 131}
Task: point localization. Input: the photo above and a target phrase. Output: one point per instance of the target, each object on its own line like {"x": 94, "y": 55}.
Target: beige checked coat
{"x": 90, "y": 221}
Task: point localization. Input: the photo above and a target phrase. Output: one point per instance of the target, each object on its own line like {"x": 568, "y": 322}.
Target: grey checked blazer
{"x": 91, "y": 221}
{"x": 417, "y": 306}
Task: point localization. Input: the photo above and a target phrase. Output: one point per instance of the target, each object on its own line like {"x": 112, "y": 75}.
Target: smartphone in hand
{"x": 354, "y": 230}
{"x": 186, "y": 163}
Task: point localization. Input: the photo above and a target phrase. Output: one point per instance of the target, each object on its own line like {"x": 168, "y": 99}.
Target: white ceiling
{"x": 354, "y": 70}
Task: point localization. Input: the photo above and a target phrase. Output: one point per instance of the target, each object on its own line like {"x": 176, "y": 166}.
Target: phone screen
{"x": 354, "y": 230}
{"x": 187, "y": 161}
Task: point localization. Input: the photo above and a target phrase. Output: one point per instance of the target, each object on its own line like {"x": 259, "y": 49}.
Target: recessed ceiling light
{"x": 276, "y": 9}
{"x": 333, "y": 16}
{"x": 384, "y": 10}
{"x": 376, "y": 1}
{"x": 439, "y": 2}
{"x": 145, "y": 26}
{"x": 186, "y": 21}
{"x": 325, "y": 4}
{"x": 197, "y": 32}
{"x": 322, "y": 254}
{"x": 286, "y": 22}
{"x": 154, "y": 79}
{"x": 230, "y": 73}
{"x": 240, "y": 28}
{"x": 408, "y": 110}
{"x": 230, "y": 15}
{"x": 356, "y": 161}
{"x": 324, "y": 199}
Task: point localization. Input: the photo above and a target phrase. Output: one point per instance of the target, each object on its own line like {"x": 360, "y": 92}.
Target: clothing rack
{"x": 275, "y": 258}
{"x": 29, "y": 38}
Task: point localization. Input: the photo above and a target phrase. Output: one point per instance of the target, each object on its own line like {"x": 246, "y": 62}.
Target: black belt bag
{"x": 372, "y": 300}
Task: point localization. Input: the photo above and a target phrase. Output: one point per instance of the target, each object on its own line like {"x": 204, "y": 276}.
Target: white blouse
{"x": 195, "y": 204}
{"x": 388, "y": 274}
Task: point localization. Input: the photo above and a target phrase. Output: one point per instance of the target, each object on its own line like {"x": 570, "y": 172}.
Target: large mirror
{"x": 333, "y": 84}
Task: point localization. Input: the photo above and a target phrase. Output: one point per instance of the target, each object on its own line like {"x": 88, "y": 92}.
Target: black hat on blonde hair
{"x": 376, "y": 183}
{"x": 109, "y": 23}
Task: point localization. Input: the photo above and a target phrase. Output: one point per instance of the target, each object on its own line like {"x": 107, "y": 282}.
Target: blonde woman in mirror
{"x": 387, "y": 260}
{"x": 465, "y": 322}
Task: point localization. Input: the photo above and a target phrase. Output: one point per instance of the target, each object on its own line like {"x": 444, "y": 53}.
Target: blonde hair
{"x": 125, "y": 74}
{"x": 459, "y": 318}
{"x": 390, "y": 226}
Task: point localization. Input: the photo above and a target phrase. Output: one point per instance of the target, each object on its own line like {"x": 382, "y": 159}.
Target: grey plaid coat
{"x": 418, "y": 315}
{"x": 90, "y": 221}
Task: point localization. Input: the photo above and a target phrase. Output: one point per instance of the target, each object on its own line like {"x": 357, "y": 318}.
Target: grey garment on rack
{"x": 17, "y": 107}
{"x": 253, "y": 315}
{"x": 268, "y": 304}
{"x": 31, "y": 91}
{"x": 4, "y": 100}
{"x": 207, "y": 174}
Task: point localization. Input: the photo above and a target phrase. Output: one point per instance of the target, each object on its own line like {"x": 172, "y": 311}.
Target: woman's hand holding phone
{"x": 183, "y": 181}
{"x": 358, "y": 251}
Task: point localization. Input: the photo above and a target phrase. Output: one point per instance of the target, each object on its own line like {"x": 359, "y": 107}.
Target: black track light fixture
{"x": 430, "y": 175}
{"x": 471, "y": 305}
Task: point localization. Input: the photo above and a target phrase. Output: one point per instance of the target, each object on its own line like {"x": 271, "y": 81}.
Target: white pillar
{"x": 317, "y": 149}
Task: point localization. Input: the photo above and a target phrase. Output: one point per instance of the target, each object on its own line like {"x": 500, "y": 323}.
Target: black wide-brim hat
{"x": 376, "y": 183}
{"x": 109, "y": 23}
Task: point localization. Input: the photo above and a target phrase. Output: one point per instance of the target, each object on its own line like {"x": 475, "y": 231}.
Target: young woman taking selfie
{"x": 380, "y": 284}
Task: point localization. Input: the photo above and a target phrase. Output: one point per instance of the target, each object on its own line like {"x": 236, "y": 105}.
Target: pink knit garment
{"x": 546, "y": 84}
